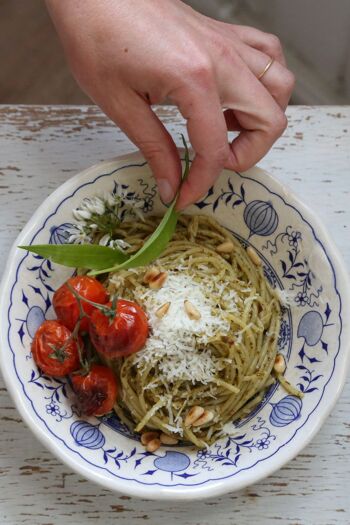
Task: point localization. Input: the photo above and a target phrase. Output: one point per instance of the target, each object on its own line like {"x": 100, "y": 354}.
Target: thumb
{"x": 147, "y": 132}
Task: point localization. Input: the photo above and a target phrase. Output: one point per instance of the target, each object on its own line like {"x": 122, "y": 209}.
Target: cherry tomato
{"x": 122, "y": 335}
{"x": 96, "y": 391}
{"x": 66, "y": 305}
{"x": 54, "y": 350}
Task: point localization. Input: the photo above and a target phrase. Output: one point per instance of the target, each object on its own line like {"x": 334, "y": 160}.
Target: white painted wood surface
{"x": 40, "y": 147}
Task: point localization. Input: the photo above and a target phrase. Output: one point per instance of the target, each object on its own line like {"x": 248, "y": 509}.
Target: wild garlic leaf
{"x": 152, "y": 248}
{"x": 90, "y": 256}
{"x": 158, "y": 241}
{"x": 102, "y": 259}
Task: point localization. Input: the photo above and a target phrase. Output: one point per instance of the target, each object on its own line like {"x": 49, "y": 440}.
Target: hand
{"x": 131, "y": 54}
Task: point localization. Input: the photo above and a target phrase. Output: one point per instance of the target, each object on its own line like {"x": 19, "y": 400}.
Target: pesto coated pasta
{"x": 220, "y": 359}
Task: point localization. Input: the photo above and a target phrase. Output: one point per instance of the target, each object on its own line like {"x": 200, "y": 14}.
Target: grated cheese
{"x": 284, "y": 297}
{"x": 177, "y": 344}
{"x": 238, "y": 335}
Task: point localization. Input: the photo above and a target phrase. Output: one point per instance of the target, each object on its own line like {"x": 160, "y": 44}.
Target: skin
{"x": 130, "y": 54}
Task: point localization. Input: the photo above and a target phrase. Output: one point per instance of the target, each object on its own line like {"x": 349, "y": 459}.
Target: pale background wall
{"x": 316, "y": 36}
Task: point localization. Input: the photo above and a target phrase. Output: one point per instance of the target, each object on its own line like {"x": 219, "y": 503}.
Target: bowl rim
{"x": 211, "y": 488}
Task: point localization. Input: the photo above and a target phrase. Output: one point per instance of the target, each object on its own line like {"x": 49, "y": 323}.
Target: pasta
{"x": 222, "y": 358}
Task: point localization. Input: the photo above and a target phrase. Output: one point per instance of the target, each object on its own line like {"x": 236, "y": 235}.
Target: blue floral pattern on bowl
{"x": 309, "y": 336}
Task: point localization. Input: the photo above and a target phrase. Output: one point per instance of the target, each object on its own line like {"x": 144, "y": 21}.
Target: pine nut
{"x": 146, "y": 437}
{"x": 225, "y": 247}
{"x": 157, "y": 282}
{"x": 280, "y": 364}
{"x": 165, "y": 439}
{"x": 162, "y": 310}
{"x": 153, "y": 445}
{"x": 151, "y": 274}
{"x": 193, "y": 414}
{"x": 253, "y": 256}
{"x": 192, "y": 311}
{"x": 207, "y": 416}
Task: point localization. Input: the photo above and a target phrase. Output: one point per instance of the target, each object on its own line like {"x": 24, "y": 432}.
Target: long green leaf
{"x": 152, "y": 248}
{"x": 102, "y": 259}
{"x": 90, "y": 256}
{"x": 157, "y": 242}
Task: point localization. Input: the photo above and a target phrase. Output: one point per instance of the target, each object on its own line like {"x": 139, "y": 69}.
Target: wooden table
{"x": 40, "y": 147}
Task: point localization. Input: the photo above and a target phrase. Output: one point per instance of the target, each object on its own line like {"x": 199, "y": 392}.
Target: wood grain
{"x": 40, "y": 147}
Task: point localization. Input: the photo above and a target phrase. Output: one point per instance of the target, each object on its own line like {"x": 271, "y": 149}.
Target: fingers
{"x": 256, "y": 49}
{"x": 278, "y": 80}
{"x": 231, "y": 121}
{"x": 256, "y": 140}
{"x": 265, "y": 42}
{"x": 208, "y": 135}
{"x": 252, "y": 145}
{"x": 254, "y": 109}
{"x": 146, "y": 131}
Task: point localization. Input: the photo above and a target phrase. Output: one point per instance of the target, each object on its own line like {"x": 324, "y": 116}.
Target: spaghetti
{"x": 222, "y": 358}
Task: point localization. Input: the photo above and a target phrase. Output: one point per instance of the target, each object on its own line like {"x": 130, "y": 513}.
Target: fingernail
{"x": 165, "y": 190}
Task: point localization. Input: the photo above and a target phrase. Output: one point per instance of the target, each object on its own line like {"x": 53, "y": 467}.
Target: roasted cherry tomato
{"x": 66, "y": 305}
{"x": 54, "y": 350}
{"x": 121, "y": 335}
{"x": 96, "y": 391}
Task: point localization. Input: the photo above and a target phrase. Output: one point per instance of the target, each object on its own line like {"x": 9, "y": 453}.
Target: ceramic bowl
{"x": 298, "y": 258}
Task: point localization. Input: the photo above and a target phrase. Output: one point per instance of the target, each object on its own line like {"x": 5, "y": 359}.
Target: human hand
{"x": 131, "y": 54}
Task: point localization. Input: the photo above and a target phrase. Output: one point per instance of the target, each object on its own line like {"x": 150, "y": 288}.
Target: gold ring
{"x": 266, "y": 68}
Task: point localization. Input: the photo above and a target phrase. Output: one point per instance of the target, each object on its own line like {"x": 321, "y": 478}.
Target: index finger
{"x": 207, "y": 131}
{"x": 261, "y": 119}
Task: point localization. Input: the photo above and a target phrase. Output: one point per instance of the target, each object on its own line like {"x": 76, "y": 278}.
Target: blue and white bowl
{"x": 299, "y": 259}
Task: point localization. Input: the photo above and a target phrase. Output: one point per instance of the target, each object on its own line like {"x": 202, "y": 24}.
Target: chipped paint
{"x": 40, "y": 148}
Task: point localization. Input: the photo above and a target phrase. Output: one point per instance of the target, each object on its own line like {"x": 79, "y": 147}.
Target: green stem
{"x": 59, "y": 352}
{"x": 106, "y": 310}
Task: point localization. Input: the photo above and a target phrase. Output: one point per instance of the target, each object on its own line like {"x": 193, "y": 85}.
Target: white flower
{"x": 113, "y": 243}
{"x": 111, "y": 199}
{"x": 86, "y": 205}
{"x": 79, "y": 236}
{"x": 119, "y": 192}
{"x": 81, "y": 215}
{"x": 119, "y": 243}
{"x": 131, "y": 204}
{"x": 135, "y": 207}
{"x": 93, "y": 205}
{"x": 113, "y": 205}
{"x": 105, "y": 240}
{"x": 98, "y": 206}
